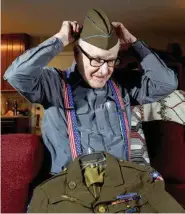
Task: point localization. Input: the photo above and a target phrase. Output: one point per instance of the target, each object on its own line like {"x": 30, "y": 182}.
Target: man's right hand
{"x": 67, "y": 31}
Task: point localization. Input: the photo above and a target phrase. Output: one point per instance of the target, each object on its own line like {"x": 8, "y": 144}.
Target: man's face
{"x": 91, "y": 65}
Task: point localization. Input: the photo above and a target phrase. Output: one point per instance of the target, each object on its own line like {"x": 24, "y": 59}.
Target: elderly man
{"x": 83, "y": 109}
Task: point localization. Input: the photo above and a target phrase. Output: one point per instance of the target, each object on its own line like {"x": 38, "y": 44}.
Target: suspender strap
{"x": 74, "y": 136}
{"x": 123, "y": 117}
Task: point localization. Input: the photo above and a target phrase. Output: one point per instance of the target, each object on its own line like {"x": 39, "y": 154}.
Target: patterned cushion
{"x": 171, "y": 108}
{"x": 139, "y": 153}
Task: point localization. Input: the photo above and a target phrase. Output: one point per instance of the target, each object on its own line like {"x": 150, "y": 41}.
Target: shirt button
{"x": 72, "y": 185}
{"x": 102, "y": 127}
{"x": 65, "y": 169}
{"x": 101, "y": 209}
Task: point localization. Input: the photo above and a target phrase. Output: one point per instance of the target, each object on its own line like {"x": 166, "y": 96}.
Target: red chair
{"x": 166, "y": 145}
{"x": 22, "y": 156}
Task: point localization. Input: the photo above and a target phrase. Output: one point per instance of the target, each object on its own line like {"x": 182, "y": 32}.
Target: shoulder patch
{"x": 156, "y": 176}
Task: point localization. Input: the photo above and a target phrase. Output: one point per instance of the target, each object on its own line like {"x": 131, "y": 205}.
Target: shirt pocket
{"x": 83, "y": 114}
{"x": 113, "y": 117}
{"x": 82, "y": 107}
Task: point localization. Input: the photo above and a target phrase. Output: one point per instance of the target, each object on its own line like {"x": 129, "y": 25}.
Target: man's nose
{"x": 104, "y": 69}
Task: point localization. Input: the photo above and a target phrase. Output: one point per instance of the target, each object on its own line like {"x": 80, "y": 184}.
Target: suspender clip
{"x": 69, "y": 108}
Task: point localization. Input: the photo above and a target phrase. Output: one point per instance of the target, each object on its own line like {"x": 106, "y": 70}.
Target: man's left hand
{"x": 125, "y": 37}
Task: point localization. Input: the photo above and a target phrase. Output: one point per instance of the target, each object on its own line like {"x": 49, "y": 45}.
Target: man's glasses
{"x": 95, "y": 62}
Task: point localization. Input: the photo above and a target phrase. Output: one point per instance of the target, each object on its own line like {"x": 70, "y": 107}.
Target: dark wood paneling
{"x": 12, "y": 46}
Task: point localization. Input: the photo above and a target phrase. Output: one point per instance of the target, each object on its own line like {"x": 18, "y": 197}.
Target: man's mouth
{"x": 99, "y": 77}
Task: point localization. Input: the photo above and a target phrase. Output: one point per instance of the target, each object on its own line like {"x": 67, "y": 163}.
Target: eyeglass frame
{"x": 92, "y": 58}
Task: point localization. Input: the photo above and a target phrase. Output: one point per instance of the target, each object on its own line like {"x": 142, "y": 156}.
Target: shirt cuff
{"x": 141, "y": 50}
{"x": 58, "y": 44}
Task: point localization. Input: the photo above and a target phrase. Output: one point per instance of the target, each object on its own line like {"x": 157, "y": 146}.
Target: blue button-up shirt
{"x": 98, "y": 121}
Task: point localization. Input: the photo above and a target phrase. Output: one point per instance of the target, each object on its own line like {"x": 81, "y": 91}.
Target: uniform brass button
{"x": 72, "y": 184}
{"x": 101, "y": 209}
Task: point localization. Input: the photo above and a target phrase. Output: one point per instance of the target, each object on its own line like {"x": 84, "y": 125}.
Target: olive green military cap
{"x": 98, "y": 30}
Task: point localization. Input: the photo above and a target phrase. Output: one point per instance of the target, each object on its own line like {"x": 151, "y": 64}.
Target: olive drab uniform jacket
{"x": 121, "y": 187}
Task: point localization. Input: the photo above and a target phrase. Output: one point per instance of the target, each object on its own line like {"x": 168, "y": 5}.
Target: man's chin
{"x": 97, "y": 84}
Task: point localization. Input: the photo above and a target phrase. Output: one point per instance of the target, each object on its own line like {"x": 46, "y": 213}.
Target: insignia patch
{"x": 156, "y": 176}
{"x": 126, "y": 198}
{"x": 132, "y": 210}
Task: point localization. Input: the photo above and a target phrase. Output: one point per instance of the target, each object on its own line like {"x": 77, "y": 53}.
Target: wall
{"x": 160, "y": 41}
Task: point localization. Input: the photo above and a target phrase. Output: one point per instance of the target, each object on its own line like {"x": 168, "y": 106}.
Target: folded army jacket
{"x": 126, "y": 187}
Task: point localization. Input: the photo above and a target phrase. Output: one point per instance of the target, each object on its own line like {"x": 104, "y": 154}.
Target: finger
{"x": 70, "y": 26}
{"x": 74, "y": 25}
{"x": 115, "y": 24}
{"x": 78, "y": 28}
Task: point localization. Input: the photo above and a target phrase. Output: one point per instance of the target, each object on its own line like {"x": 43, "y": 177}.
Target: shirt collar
{"x": 113, "y": 175}
{"x": 73, "y": 66}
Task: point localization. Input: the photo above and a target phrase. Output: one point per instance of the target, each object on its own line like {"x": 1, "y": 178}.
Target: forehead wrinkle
{"x": 105, "y": 56}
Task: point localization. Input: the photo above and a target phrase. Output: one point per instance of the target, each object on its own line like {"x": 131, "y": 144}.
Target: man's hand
{"x": 67, "y": 32}
{"x": 125, "y": 37}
